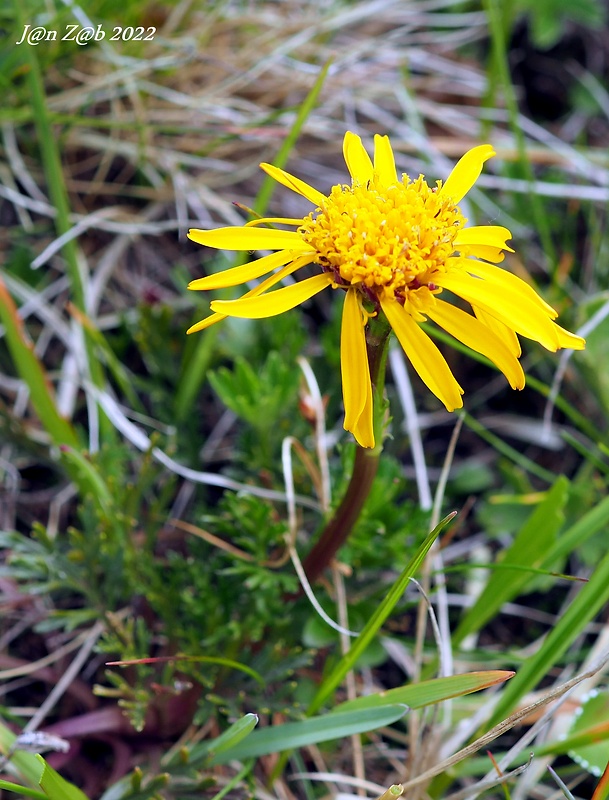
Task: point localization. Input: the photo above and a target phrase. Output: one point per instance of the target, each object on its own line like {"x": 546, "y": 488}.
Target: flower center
{"x": 391, "y": 241}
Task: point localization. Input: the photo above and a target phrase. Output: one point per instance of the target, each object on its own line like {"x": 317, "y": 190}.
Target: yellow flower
{"x": 392, "y": 246}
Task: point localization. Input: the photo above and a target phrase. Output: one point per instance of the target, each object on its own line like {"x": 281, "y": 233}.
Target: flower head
{"x": 393, "y": 246}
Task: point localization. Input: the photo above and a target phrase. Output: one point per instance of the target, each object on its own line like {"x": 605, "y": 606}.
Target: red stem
{"x": 365, "y": 465}
{"x": 340, "y": 526}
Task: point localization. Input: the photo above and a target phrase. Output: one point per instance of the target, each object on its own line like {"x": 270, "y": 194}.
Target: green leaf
{"x": 427, "y": 693}
{"x": 238, "y": 731}
{"x": 310, "y": 731}
{"x": 229, "y": 739}
{"x": 22, "y": 790}
{"x": 35, "y": 770}
{"x": 529, "y": 549}
{"x": 257, "y": 396}
{"x": 55, "y": 787}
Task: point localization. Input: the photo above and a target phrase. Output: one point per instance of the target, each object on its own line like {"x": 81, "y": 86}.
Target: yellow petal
{"x": 353, "y": 358}
{"x": 507, "y": 335}
{"x": 240, "y": 238}
{"x": 570, "y": 340}
{"x": 505, "y": 279}
{"x": 272, "y": 280}
{"x": 474, "y": 334}
{"x": 295, "y": 184}
{"x": 513, "y": 308}
{"x": 485, "y": 252}
{"x": 384, "y": 162}
{"x": 355, "y": 372}
{"x": 357, "y": 159}
{"x": 273, "y": 303}
{"x": 489, "y": 235}
{"x": 424, "y": 356}
{"x": 206, "y": 323}
{"x": 466, "y": 172}
{"x": 242, "y": 274}
{"x": 254, "y": 223}
{"x": 363, "y": 430}
{"x": 267, "y": 284}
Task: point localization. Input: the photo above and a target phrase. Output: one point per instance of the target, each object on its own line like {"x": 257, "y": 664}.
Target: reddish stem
{"x": 342, "y": 523}
{"x": 365, "y": 465}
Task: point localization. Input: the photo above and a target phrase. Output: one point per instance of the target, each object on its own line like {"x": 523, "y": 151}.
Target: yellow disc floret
{"x": 389, "y": 240}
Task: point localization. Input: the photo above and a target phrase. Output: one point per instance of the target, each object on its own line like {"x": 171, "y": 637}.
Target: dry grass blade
{"x": 506, "y": 725}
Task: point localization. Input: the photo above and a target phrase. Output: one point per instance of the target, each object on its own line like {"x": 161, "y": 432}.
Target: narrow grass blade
{"x": 22, "y": 790}
{"x": 235, "y": 733}
{"x": 592, "y": 522}
{"x": 226, "y": 662}
{"x": 426, "y": 693}
{"x": 548, "y": 549}
{"x": 569, "y": 626}
{"x": 32, "y": 372}
{"x": 121, "y": 375}
{"x": 529, "y": 548}
{"x": 595, "y": 735}
{"x": 198, "y": 356}
{"x": 52, "y": 166}
{"x": 269, "y": 184}
{"x": 347, "y": 662}
{"x": 582, "y": 422}
{"x": 508, "y": 451}
{"x": 310, "y": 731}
{"x": 58, "y": 193}
{"x": 233, "y": 783}
{"x": 132, "y": 787}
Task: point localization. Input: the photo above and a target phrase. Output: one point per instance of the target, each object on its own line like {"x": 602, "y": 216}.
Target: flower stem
{"x": 366, "y": 461}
